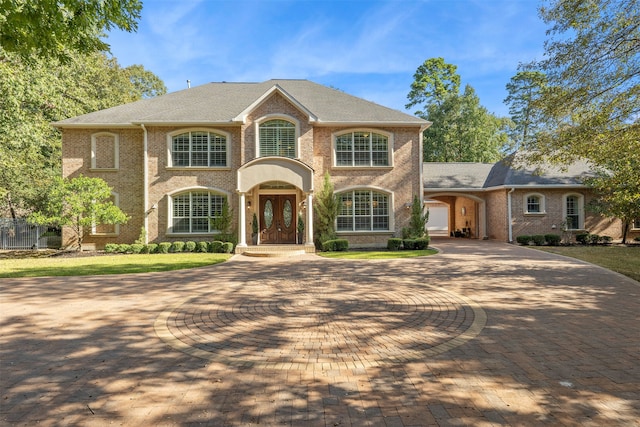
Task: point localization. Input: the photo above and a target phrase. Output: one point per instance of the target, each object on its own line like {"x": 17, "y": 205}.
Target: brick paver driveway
{"x": 482, "y": 334}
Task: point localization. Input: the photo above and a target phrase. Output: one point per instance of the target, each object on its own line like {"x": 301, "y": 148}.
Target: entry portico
{"x": 268, "y": 185}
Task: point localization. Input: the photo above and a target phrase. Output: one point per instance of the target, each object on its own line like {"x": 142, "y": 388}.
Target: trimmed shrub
{"x": 553, "y": 239}
{"x": 227, "y": 247}
{"x": 606, "y": 240}
{"x": 124, "y": 248}
{"x": 176, "y": 247}
{"x": 538, "y": 239}
{"x": 409, "y": 244}
{"x": 582, "y": 238}
{"x": 422, "y": 243}
{"x": 216, "y": 247}
{"x": 593, "y": 239}
{"x": 523, "y": 240}
{"x": 202, "y": 247}
{"x": 163, "y": 247}
{"x": 190, "y": 246}
{"x": 342, "y": 245}
{"x": 636, "y": 239}
{"x": 335, "y": 245}
{"x": 394, "y": 244}
{"x": 111, "y": 248}
{"x": 152, "y": 248}
{"x": 136, "y": 248}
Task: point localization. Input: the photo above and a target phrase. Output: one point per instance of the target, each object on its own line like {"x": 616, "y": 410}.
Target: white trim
{"x": 580, "y": 209}
{"x": 116, "y": 150}
{"x": 242, "y": 117}
{"x": 390, "y": 145}
{"x": 180, "y": 131}
{"x": 541, "y": 201}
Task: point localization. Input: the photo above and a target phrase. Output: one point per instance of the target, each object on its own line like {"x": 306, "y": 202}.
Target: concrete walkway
{"x": 482, "y": 334}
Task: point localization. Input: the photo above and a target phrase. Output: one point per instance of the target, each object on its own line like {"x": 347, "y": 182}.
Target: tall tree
{"x": 55, "y": 28}
{"x": 433, "y": 83}
{"x": 462, "y": 130}
{"x": 37, "y": 92}
{"x": 525, "y": 89}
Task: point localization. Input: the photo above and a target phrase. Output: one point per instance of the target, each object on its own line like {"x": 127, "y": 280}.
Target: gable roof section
{"x": 503, "y": 174}
{"x": 228, "y": 103}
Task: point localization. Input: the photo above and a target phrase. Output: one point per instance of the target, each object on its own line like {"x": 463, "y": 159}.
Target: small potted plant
{"x": 300, "y": 228}
{"x": 254, "y": 230}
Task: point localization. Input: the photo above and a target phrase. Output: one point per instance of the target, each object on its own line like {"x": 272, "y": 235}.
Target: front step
{"x": 275, "y": 250}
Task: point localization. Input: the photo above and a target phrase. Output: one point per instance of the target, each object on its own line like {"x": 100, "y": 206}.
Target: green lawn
{"x": 377, "y": 254}
{"x": 621, "y": 259}
{"x": 108, "y": 264}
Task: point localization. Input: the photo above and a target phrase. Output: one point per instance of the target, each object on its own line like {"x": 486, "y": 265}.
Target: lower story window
{"x": 193, "y": 212}
{"x": 636, "y": 224}
{"x": 363, "y": 210}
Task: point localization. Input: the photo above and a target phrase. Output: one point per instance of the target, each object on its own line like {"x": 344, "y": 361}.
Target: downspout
{"x": 145, "y": 182}
{"x": 509, "y": 214}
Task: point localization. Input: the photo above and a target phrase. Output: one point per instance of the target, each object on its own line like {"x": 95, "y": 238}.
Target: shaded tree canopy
{"x": 37, "y": 92}
{"x": 55, "y": 28}
{"x": 590, "y": 107}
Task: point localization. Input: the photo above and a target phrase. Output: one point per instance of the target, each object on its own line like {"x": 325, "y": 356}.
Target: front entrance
{"x": 277, "y": 219}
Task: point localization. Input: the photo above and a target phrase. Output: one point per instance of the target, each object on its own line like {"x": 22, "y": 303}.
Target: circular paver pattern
{"x": 319, "y": 326}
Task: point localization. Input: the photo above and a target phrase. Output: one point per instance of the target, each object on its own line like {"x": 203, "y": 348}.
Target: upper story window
{"x": 105, "y": 151}
{"x": 363, "y": 210}
{"x": 534, "y": 204}
{"x": 362, "y": 148}
{"x": 199, "y": 149}
{"x": 193, "y": 211}
{"x": 277, "y": 137}
{"x": 573, "y": 211}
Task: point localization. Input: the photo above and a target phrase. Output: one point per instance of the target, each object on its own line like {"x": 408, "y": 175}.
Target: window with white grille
{"x": 363, "y": 210}
{"x": 194, "y": 211}
{"x": 199, "y": 149}
{"x": 362, "y": 148}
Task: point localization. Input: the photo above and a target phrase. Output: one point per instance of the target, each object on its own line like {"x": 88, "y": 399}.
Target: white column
{"x": 309, "y": 227}
{"x": 242, "y": 222}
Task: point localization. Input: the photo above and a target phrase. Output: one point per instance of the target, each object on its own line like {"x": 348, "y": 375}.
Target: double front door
{"x": 278, "y": 218}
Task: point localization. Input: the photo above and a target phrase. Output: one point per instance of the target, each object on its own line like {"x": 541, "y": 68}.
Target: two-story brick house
{"x": 265, "y": 147}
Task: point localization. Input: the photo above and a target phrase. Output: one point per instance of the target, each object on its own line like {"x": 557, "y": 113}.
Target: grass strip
{"x": 107, "y": 264}
{"x": 621, "y": 259}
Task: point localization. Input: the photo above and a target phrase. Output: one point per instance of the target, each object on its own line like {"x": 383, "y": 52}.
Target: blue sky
{"x": 366, "y": 48}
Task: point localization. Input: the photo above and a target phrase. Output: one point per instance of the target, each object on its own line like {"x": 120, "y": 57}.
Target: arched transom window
{"x": 194, "y": 211}
{"x": 363, "y": 210}
{"x": 362, "y": 148}
{"x": 199, "y": 149}
{"x": 277, "y": 138}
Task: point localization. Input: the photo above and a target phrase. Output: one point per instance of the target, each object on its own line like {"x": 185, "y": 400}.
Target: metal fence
{"x": 19, "y": 234}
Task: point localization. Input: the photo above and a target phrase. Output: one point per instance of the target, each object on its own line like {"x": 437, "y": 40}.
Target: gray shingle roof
{"x": 481, "y": 176}
{"x": 226, "y": 102}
